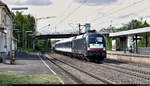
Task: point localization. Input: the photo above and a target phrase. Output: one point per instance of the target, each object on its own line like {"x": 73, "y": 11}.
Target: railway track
{"x": 134, "y": 70}
{"x": 126, "y": 71}
{"x": 101, "y": 79}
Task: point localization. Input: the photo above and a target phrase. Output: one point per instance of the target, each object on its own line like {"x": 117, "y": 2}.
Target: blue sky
{"x": 69, "y": 13}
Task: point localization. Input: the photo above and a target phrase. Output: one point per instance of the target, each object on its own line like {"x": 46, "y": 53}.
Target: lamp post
{"x": 26, "y": 37}
{"x": 5, "y": 46}
{"x": 31, "y": 43}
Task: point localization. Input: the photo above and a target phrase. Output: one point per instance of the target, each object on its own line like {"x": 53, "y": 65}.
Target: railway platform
{"x": 25, "y": 64}
{"x": 127, "y": 53}
{"x": 35, "y": 64}
{"x": 129, "y": 57}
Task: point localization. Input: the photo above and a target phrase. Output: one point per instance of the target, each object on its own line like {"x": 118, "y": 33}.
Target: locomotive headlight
{"x": 104, "y": 48}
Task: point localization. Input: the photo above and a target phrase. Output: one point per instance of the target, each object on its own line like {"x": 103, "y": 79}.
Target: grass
{"x": 10, "y": 78}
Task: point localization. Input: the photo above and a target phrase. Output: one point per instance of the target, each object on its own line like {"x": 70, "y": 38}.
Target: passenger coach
{"x": 91, "y": 45}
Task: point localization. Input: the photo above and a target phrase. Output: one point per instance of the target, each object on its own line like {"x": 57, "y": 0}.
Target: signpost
{"x": 23, "y": 8}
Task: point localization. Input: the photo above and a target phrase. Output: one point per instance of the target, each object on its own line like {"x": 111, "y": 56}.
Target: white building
{"x": 6, "y": 22}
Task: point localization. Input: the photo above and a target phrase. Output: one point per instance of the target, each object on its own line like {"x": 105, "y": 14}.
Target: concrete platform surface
{"x": 127, "y": 54}
{"x": 25, "y": 64}
{"x": 129, "y": 57}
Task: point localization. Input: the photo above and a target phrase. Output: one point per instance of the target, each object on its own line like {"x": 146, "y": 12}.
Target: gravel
{"x": 97, "y": 69}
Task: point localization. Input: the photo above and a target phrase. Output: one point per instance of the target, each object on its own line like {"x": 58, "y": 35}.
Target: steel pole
{"x": 12, "y": 53}
{"x": 4, "y": 57}
{"x": 23, "y": 36}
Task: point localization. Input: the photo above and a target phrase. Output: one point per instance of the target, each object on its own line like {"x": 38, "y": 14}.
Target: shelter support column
{"x": 146, "y": 39}
{"x": 136, "y": 43}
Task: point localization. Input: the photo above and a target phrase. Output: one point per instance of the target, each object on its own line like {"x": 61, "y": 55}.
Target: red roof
{"x": 2, "y": 3}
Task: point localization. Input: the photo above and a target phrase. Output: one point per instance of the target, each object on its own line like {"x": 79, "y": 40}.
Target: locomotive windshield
{"x": 99, "y": 39}
{"x": 95, "y": 39}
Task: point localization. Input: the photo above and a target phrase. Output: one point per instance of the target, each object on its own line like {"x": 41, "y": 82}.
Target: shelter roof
{"x": 131, "y": 32}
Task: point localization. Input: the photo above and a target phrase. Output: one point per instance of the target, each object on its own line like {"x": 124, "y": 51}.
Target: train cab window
{"x": 99, "y": 39}
{"x": 95, "y": 39}
{"x": 91, "y": 39}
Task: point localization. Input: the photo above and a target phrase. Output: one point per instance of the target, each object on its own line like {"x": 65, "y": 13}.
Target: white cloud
{"x": 106, "y": 10}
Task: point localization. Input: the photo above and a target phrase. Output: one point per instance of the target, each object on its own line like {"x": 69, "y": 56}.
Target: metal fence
{"x": 145, "y": 51}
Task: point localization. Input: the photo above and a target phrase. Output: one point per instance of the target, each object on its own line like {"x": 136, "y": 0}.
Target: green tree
{"x": 135, "y": 24}
{"x": 23, "y": 23}
{"x": 43, "y": 45}
{"x": 109, "y": 44}
{"x": 142, "y": 42}
{"x": 145, "y": 24}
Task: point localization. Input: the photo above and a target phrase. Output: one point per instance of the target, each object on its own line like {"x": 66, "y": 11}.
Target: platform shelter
{"x": 129, "y": 40}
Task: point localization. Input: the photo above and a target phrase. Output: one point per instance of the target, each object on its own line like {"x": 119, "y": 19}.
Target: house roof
{"x": 2, "y": 3}
{"x": 6, "y": 7}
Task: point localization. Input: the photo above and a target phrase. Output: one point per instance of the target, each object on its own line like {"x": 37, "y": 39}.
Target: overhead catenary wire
{"x": 41, "y": 29}
{"x": 72, "y": 12}
{"x": 68, "y": 7}
{"x": 144, "y": 9}
{"x": 118, "y": 10}
{"x": 114, "y": 12}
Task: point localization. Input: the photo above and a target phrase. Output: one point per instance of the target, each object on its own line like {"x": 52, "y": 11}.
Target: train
{"x": 90, "y": 46}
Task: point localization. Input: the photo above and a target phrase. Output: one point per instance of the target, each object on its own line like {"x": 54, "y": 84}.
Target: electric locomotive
{"x": 90, "y": 46}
